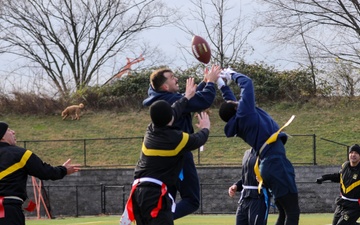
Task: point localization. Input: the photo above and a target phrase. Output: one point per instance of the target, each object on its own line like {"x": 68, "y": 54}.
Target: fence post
{"x": 201, "y": 198}
{"x": 123, "y": 204}
{"x": 77, "y": 201}
{"x": 104, "y": 208}
{"x": 84, "y": 152}
{"x": 198, "y": 156}
{"x": 102, "y": 194}
{"x": 314, "y": 148}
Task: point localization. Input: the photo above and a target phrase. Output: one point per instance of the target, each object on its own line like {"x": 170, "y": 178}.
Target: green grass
{"x": 305, "y": 219}
{"x": 336, "y": 122}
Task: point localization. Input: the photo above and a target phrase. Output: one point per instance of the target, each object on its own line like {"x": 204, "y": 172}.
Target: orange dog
{"x": 73, "y": 111}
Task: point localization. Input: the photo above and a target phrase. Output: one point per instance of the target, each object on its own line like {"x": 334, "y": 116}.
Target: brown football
{"x": 201, "y": 49}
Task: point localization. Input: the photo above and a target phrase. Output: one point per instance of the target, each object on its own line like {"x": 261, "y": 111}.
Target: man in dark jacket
{"x": 253, "y": 207}
{"x": 164, "y": 86}
{"x": 161, "y": 160}
{"x": 256, "y": 127}
{"x": 16, "y": 164}
{"x": 347, "y": 210}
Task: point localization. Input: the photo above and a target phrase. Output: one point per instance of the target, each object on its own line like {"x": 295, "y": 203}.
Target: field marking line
{"x": 96, "y": 222}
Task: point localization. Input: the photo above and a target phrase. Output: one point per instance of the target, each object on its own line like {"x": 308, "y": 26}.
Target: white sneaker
{"x": 124, "y": 219}
{"x": 226, "y": 74}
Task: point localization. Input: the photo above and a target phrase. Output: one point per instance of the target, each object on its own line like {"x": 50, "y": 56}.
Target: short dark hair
{"x": 227, "y": 110}
{"x": 157, "y": 78}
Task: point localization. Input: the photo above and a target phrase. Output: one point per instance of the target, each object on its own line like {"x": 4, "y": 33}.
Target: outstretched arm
{"x": 37, "y": 168}
{"x": 203, "y": 99}
{"x": 334, "y": 177}
{"x": 227, "y": 93}
{"x": 247, "y": 94}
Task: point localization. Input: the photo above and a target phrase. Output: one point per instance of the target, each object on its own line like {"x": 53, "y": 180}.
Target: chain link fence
{"x": 301, "y": 149}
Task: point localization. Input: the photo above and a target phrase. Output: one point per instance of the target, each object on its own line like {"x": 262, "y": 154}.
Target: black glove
{"x": 319, "y": 180}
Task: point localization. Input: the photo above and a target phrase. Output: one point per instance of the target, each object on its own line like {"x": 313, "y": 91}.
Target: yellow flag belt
{"x": 270, "y": 140}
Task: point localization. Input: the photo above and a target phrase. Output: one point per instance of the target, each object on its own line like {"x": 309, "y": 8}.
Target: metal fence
{"x": 85, "y": 200}
{"x": 81, "y": 200}
{"x": 227, "y": 151}
{"x": 95, "y": 199}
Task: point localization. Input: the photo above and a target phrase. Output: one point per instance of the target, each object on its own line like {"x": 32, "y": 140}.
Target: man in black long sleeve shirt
{"x": 16, "y": 164}
{"x": 161, "y": 160}
{"x": 347, "y": 210}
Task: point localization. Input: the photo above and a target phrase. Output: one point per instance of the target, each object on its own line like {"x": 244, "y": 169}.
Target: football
{"x": 201, "y": 49}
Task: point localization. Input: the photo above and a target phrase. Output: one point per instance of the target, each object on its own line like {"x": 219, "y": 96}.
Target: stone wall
{"x": 105, "y": 191}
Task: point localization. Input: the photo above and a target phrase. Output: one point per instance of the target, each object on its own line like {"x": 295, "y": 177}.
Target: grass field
{"x": 305, "y": 219}
{"x": 332, "y": 123}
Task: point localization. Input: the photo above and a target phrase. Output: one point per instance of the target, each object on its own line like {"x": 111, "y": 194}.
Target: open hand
{"x": 203, "y": 120}
{"x": 190, "y": 88}
{"x": 71, "y": 168}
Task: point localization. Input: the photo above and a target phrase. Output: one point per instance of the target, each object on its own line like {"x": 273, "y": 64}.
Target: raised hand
{"x": 190, "y": 88}
{"x": 203, "y": 120}
{"x": 213, "y": 74}
{"x": 226, "y": 74}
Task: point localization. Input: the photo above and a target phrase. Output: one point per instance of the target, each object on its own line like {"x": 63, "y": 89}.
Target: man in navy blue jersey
{"x": 256, "y": 127}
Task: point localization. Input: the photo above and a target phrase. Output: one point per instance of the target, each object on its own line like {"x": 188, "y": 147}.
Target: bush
{"x": 28, "y": 104}
{"x": 292, "y": 87}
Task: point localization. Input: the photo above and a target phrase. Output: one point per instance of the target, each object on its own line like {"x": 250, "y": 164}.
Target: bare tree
{"x": 327, "y": 30}
{"x": 310, "y": 59}
{"x": 71, "y": 40}
{"x": 225, "y": 31}
{"x": 345, "y": 78}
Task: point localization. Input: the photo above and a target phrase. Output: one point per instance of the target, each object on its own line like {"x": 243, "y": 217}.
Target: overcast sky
{"x": 167, "y": 39}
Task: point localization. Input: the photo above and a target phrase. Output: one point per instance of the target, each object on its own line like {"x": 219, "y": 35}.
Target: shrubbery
{"x": 294, "y": 87}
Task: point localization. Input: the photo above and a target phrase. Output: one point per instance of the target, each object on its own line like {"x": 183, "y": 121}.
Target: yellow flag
{"x": 270, "y": 140}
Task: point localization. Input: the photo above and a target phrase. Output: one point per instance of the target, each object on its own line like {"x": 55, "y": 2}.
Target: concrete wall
{"x": 105, "y": 191}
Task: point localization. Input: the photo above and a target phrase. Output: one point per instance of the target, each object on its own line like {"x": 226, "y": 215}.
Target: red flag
{"x": 31, "y": 206}
{"x": 2, "y": 210}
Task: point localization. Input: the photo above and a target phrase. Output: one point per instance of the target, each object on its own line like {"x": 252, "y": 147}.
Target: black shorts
{"x": 13, "y": 213}
{"x": 145, "y": 198}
